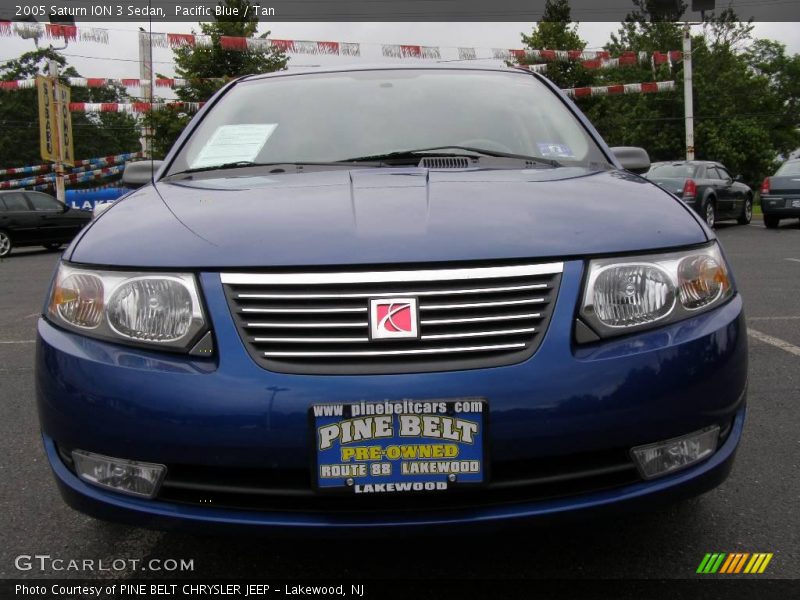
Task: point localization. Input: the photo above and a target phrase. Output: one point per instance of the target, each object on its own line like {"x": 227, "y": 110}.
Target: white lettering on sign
{"x": 370, "y": 428}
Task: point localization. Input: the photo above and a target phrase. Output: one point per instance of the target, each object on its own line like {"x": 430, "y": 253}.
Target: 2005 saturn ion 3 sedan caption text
{"x": 387, "y": 297}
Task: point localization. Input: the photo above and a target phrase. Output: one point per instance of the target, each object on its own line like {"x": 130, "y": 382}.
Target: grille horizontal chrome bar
{"x": 378, "y": 293}
{"x": 481, "y": 304}
{"x": 305, "y": 310}
{"x": 321, "y": 325}
{"x": 311, "y": 340}
{"x": 389, "y": 276}
{"x": 440, "y": 336}
{"x": 399, "y": 352}
{"x": 318, "y": 322}
{"x": 479, "y": 319}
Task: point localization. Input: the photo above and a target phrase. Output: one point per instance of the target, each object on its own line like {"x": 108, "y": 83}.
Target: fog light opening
{"x": 130, "y": 477}
{"x": 669, "y": 456}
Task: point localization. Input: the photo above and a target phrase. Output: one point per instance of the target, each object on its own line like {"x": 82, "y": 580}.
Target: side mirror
{"x": 739, "y": 178}
{"x": 140, "y": 173}
{"x": 632, "y": 158}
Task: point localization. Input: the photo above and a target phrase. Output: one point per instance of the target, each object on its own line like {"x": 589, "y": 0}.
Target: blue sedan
{"x": 390, "y": 297}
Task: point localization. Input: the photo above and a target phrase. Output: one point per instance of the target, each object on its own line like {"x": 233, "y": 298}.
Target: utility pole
{"x": 700, "y": 6}
{"x": 146, "y": 83}
{"x": 688, "y": 100}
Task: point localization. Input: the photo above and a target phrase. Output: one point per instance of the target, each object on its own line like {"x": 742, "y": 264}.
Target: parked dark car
{"x": 373, "y": 298}
{"x": 780, "y": 194}
{"x": 37, "y": 219}
{"x": 707, "y": 187}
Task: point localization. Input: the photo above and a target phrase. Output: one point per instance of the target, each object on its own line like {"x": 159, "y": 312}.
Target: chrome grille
{"x": 319, "y": 322}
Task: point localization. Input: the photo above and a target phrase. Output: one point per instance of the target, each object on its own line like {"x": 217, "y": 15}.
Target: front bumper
{"x": 228, "y": 412}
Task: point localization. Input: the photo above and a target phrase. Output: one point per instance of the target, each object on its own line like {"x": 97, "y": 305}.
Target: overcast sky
{"x": 119, "y": 58}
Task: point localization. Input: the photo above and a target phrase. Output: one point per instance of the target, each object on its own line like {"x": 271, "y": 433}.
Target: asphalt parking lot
{"x": 754, "y": 511}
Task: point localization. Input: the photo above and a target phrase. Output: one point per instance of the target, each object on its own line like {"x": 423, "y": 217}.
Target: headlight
{"x": 632, "y": 293}
{"x": 154, "y": 309}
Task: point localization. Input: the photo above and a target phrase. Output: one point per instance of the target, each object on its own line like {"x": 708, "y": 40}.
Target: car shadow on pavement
{"x": 625, "y": 545}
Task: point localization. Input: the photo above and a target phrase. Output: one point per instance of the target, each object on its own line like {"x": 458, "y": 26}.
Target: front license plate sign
{"x": 403, "y": 446}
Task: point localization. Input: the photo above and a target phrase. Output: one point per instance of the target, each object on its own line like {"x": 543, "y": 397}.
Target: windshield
{"x": 672, "y": 171}
{"x": 330, "y": 117}
{"x": 789, "y": 168}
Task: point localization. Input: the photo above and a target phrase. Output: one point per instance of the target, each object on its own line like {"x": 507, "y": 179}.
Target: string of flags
{"x": 597, "y": 59}
{"x": 312, "y": 47}
{"x": 30, "y": 29}
{"x": 71, "y": 178}
{"x": 173, "y": 83}
{"x": 650, "y": 87}
{"x": 101, "y": 161}
{"x": 626, "y": 59}
{"x": 131, "y": 107}
{"x": 98, "y": 82}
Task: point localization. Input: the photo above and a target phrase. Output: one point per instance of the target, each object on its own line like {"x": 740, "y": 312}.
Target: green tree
{"x": 93, "y": 134}
{"x": 207, "y": 68}
{"x": 745, "y": 94}
{"x": 780, "y": 74}
{"x": 557, "y": 31}
{"x": 744, "y": 116}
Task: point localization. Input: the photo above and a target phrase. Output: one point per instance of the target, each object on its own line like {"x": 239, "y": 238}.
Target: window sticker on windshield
{"x": 234, "y": 143}
{"x": 556, "y": 151}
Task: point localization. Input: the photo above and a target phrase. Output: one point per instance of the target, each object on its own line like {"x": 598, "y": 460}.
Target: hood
{"x": 386, "y": 215}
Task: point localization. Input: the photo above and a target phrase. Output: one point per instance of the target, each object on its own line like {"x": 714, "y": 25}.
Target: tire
{"x": 771, "y": 221}
{"x": 52, "y": 246}
{"x": 5, "y": 244}
{"x": 747, "y": 212}
{"x": 709, "y": 213}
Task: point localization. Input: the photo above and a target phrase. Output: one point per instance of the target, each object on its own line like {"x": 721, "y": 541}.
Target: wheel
{"x": 747, "y": 212}
{"x": 771, "y": 221}
{"x": 53, "y": 246}
{"x": 709, "y": 213}
{"x": 5, "y": 244}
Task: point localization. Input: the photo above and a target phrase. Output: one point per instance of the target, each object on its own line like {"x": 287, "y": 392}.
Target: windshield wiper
{"x": 241, "y": 164}
{"x": 438, "y": 150}
{"x": 230, "y": 165}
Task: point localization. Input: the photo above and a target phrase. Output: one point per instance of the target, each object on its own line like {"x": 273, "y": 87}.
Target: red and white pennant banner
{"x": 131, "y": 107}
{"x": 633, "y": 58}
{"x": 244, "y": 44}
{"x": 410, "y": 51}
{"x": 98, "y": 82}
{"x": 25, "y": 29}
{"x": 401, "y": 51}
{"x": 599, "y": 59}
{"x": 650, "y": 87}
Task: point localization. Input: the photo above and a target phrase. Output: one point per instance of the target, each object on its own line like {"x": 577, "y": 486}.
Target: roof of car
{"x": 473, "y": 66}
{"x": 704, "y": 163}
